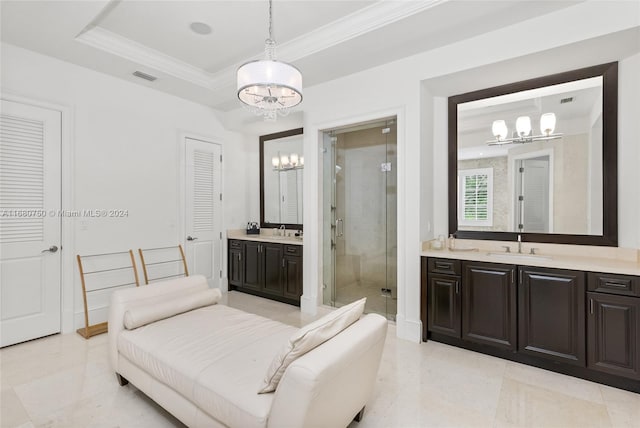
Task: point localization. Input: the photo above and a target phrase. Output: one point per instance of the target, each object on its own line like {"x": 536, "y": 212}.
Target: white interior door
{"x": 203, "y": 197}
{"x": 289, "y": 197}
{"x": 30, "y": 230}
{"x": 533, "y": 197}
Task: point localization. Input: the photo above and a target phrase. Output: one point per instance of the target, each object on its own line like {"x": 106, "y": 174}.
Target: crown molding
{"x": 100, "y": 38}
{"x": 358, "y": 23}
{"x": 348, "y": 27}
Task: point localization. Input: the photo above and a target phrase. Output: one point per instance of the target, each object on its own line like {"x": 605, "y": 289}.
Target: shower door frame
{"x": 331, "y": 132}
{"x": 314, "y": 241}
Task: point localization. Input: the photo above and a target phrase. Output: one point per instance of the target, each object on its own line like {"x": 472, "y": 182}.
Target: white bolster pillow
{"x": 140, "y": 315}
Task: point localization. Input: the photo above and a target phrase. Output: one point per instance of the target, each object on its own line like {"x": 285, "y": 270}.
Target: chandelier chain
{"x": 270, "y": 21}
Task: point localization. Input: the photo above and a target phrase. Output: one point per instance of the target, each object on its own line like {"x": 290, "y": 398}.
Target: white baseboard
{"x": 408, "y": 329}
{"x": 308, "y": 305}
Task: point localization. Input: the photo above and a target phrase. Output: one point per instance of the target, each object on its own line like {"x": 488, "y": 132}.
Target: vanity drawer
{"x": 235, "y": 244}
{"x": 293, "y": 250}
{"x": 444, "y": 266}
{"x": 614, "y": 284}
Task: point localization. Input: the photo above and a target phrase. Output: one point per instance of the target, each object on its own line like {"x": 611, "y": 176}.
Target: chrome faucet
{"x": 519, "y": 244}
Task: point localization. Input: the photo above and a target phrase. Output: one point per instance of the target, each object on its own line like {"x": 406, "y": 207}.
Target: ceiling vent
{"x": 144, "y": 76}
{"x": 566, "y": 100}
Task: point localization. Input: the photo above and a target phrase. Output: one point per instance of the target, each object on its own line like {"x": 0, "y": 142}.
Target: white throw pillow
{"x": 144, "y": 314}
{"x": 309, "y": 337}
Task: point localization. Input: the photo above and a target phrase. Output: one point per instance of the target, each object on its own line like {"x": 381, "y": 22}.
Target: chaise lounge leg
{"x": 122, "y": 381}
{"x": 359, "y": 416}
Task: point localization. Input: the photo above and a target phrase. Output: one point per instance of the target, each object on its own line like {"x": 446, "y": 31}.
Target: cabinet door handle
{"x": 591, "y": 306}
{"x": 457, "y": 287}
{"x": 283, "y": 262}
{"x": 239, "y": 256}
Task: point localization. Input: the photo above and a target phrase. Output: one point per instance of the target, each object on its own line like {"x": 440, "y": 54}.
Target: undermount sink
{"x": 520, "y": 256}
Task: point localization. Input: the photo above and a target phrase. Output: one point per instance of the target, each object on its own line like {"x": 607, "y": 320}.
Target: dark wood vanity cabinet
{"x": 472, "y": 300}
{"x": 613, "y": 324}
{"x": 292, "y": 275}
{"x": 489, "y": 302}
{"x": 266, "y": 269}
{"x": 583, "y": 324}
{"x": 443, "y": 287}
{"x": 235, "y": 271}
{"x": 262, "y": 270}
{"x": 445, "y": 305}
{"x": 252, "y": 266}
{"x": 272, "y": 269}
{"x": 552, "y": 314}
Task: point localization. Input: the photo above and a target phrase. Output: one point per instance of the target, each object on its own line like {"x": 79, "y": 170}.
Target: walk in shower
{"x": 359, "y": 216}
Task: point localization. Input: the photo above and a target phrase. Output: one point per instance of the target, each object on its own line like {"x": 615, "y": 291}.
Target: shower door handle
{"x": 339, "y": 227}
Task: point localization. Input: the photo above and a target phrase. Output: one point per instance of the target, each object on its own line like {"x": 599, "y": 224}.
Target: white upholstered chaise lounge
{"x": 206, "y": 365}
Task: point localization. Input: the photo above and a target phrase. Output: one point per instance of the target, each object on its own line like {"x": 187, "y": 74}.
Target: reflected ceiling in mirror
{"x": 281, "y": 175}
{"x": 537, "y": 181}
{"x": 535, "y": 159}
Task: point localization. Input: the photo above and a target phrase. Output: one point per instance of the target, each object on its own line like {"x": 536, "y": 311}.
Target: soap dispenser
{"x": 451, "y": 242}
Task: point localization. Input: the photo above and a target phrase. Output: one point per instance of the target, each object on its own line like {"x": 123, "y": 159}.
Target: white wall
{"x": 629, "y": 152}
{"x": 118, "y": 127}
{"x": 123, "y": 146}
{"x": 415, "y": 86}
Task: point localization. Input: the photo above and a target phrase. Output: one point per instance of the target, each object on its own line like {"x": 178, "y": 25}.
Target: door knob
{"x": 51, "y": 249}
{"x": 191, "y": 238}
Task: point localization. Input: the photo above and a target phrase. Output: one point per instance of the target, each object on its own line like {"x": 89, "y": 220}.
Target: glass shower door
{"x": 359, "y": 212}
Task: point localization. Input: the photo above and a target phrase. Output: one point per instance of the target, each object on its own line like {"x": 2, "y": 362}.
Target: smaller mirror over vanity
{"x": 281, "y": 179}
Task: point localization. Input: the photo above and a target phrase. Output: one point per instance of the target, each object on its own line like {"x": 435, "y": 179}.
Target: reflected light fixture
{"x": 269, "y": 87}
{"x": 522, "y": 133}
{"x": 523, "y": 126}
{"x": 287, "y": 162}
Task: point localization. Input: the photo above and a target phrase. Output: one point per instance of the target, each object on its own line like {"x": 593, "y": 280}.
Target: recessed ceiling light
{"x": 200, "y": 28}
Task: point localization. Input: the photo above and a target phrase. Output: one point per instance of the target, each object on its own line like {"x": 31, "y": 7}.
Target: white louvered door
{"x": 30, "y": 231}
{"x": 203, "y": 210}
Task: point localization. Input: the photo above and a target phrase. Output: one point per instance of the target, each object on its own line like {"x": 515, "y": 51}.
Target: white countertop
{"x": 588, "y": 258}
{"x": 265, "y": 236}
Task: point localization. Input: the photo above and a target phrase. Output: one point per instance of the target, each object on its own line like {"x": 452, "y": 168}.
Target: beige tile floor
{"x": 371, "y": 290}
{"x": 65, "y": 381}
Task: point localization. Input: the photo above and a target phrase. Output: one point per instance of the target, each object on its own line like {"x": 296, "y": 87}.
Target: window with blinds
{"x": 475, "y": 205}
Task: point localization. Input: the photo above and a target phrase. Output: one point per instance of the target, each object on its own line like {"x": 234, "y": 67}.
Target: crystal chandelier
{"x": 269, "y": 87}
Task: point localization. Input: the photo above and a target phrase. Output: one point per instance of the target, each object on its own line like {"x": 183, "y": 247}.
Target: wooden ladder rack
{"x": 146, "y": 265}
{"x": 91, "y": 330}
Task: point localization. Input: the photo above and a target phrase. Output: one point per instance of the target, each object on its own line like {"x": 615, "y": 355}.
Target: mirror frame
{"x": 609, "y": 73}
{"x": 263, "y": 139}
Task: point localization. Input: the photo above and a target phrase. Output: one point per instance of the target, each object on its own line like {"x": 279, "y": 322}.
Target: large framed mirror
{"x": 537, "y": 158}
{"x": 281, "y": 175}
